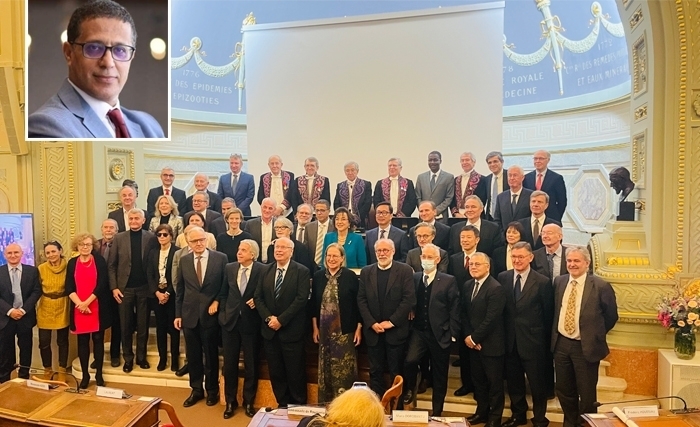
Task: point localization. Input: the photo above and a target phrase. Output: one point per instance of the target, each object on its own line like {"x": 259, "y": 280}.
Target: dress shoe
{"x": 116, "y": 362}
{"x": 162, "y": 363}
{"x": 175, "y": 363}
{"x": 144, "y": 364}
{"x": 408, "y": 398}
{"x": 194, "y": 398}
{"x": 462, "y": 391}
{"x": 85, "y": 382}
{"x": 183, "y": 371}
{"x": 93, "y": 365}
{"x": 250, "y": 410}
{"x": 99, "y": 380}
{"x": 212, "y": 399}
{"x": 230, "y": 407}
{"x": 422, "y": 386}
{"x": 514, "y": 421}
{"x": 477, "y": 419}
{"x": 456, "y": 362}
{"x": 493, "y": 424}
{"x": 128, "y": 367}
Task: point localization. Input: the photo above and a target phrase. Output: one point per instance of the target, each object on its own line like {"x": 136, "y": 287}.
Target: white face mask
{"x": 427, "y": 264}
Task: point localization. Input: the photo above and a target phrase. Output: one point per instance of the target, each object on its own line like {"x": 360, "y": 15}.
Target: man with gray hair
{"x": 397, "y": 190}
{"x": 214, "y": 222}
{"x": 238, "y": 185}
{"x": 514, "y": 203}
{"x": 275, "y": 185}
{"x": 490, "y": 186}
{"x": 201, "y": 183}
{"x": 355, "y": 194}
{"x": 465, "y": 183}
{"x": 552, "y": 183}
{"x": 127, "y": 197}
{"x": 308, "y": 188}
{"x": 167, "y": 178}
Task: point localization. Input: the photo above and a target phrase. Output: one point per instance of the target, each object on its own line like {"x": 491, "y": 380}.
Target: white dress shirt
{"x": 580, "y": 283}
{"x": 100, "y": 108}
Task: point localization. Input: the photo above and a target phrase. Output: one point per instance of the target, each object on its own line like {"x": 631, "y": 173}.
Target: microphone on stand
{"x": 69, "y": 390}
{"x": 685, "y": 409}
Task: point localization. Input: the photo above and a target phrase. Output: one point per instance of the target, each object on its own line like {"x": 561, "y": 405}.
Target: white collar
{"x": 100, "y": 108}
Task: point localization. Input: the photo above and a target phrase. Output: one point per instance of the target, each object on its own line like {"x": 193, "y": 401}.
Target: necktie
{"x": 382, "y": 234}
{"x": 538, "y": 185}
{"x": 278, "y": 282}
{"x": 300, "y": 235}
{"x": 319, "y": 243}
{"x": 536, "y": 230}
{"x": 244, "y": 280}
{"x": 167, "y": 191}
{"x": 550, "y": 260}
{"x": 514, "y": 204}
{"x": 476, "y": 290}
{"x": 425, "y": 280}
{"x": 120, "y": 130}
{"x": 432, "y": 182}
{"x": 234, "y": 183}
{"x": 105, "y": 250}
{"x": 199, "y": 270}
{"x": 16, "y": 289}
{"x": 516, "y": 289}
{"x": 466, "y": 262}
{"x": 494, "y": 194}
{"x": 569, "y": 317}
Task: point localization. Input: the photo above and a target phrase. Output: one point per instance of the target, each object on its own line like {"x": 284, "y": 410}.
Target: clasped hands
{"x": 471, "y": 344}
{"x": 382, "y": 327}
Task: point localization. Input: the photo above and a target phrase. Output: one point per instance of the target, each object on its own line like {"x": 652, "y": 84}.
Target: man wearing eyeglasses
{"x": 100, "y": 47}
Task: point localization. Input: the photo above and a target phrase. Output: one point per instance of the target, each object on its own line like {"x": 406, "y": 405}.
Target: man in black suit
{"x": 214, "y": 222}
{"x": 459, "y": 268}
{"x": 20, "y": 290}
{"x": 533, "y": 224}
{"x": 512, "y": 204}
{"x": 167, "y": 177}
{"x": 585, "y": 310}
{"x": 109, "y": 231}
{"x": 281, "y": 302}
{"x": 425, "y": 234}
{"x": 492, "y": 185}
{"x": 528, "y": 321}
{"x": 240, "y": 324}
{"x": 383, "y": 213}
{"x": 201, "y": 183}
{"x": 482, "y": 322}
{"x": 550, "y": 182}
{"x": 262, "y": 227}
{"x": 435, "y": 322}
{"x": 385, "y": 298}
{"x": 316, "y": 230}
{"x": 355, "y": 194}
{"x": 490, "y": 236}
{"x": 201, "y": 276}
{"x": 127, "y": 196}
{"x": 550, "y": 260}
{"x": 427, "y": 213}
{"x": 129, "y": 283}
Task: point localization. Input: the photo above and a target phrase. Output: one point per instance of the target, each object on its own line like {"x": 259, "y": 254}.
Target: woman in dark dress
{"x": 284, "y": 228}
{"x": 159, "y": 273}
{"x": 336, "y": 324}
{"x": 87, "y": 286}
{"x": 501, "y": 255}
{"x": 228, "y": 242}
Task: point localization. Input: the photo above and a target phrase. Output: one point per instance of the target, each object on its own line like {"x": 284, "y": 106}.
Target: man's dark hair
{"x": 99, "y": 9}
{"x": 387, "y": 204}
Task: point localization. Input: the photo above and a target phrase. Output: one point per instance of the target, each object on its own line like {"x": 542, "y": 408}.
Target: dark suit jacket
{"x": 214, "y": 203}
{"x": 31, "y": 291}
{"x": 442, "y": 236}
{"x": 410, "y": 201}
{"x": 483, "y": 191}
{"x": 413, "y": 260}
{"x": 456, "y": 269}
{"x": 101, "y": 291}
{"x": 348, "y": 285}
{"x": 177, "y": 194}
{"x": 254, "y": 227}
{"x": 300, "y": 255}
{"x": 399, "y": 300}
{"x": 499, "y": 263}
{"x": 490, "y": 237}
{"x": 192, "y": 300}
{"x": 441, "y": 195}
{"x": 541, "y": 265}
{"x": 245, "y": 190}
{"x": 233, "y": 310}
{"x": 401, "y": 244}
{"x": 118, "y": 215}
{"x": 504, "y": 214}
{"x": 597, "y": 317}
{"x": 528, "y": 320}
{"x": 527, "y": 236}
{"x": 290, "y": 307}
{"x": 362, "y": 201}
{"x": 552, "y": 184}
{"x": 482, "y": 317}
{"x": 311, "y": 236}
{"x": 152, "y": 272}
{"x": 443, "y": 307}
{"x": 119, "y": 262}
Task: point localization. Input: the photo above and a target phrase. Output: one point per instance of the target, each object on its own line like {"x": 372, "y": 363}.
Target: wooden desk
{"x": 21, "y": 406}
{"x": 268, "y": 419}
{"x": 665, "y": 419}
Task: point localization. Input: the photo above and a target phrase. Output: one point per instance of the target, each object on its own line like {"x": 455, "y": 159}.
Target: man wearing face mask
{"x": 435, "y": 322}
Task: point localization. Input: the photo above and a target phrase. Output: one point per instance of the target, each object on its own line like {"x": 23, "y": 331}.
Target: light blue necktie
{"x": 278, "y": 282}
{"x": 16, "y": 289}
{"x": 494, "y": 194}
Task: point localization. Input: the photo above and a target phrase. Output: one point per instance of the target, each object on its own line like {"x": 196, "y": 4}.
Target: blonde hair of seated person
{"x": 355, "y": 407}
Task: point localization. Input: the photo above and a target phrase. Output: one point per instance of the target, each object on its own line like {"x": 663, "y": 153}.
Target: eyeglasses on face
{"x": 85, "y": 244}
{"x": 280, "y": 227}
{"x": 382, "y": 251}
{"x": 167, "y": 175}
{"x": 476, "y": 264}
{"x": 96, "y": 50}
{"x": 383, "y": 213}
{"x": 163, "y": 235}
{"x": 198, "y": 241}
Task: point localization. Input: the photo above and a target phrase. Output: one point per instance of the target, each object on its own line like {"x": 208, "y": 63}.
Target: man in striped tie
{"x": 281, "y": 302}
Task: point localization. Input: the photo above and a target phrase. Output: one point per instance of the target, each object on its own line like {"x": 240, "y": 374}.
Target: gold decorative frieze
{"x": 695, "y": 111}
{"x": 640, "y": 65}
{"x": 638, "y": 297}
{"x": 639, "y": 159}
{"x": 636, "y": 18}
{"x": 624, "y": 260}
{"x": 693, "y": 231}
{"x": 120, "y": 166}
{"x": 640, "y": 113}
{"x": 113, "y": 206}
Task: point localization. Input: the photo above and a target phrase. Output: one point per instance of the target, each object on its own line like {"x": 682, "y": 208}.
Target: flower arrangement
{"x": 680, "y": 312}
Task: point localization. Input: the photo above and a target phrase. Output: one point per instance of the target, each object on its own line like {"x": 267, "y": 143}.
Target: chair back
{"x": 391, "y": 397}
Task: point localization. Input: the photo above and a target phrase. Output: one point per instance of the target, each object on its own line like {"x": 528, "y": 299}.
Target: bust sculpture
{"x": 620, "y": 182}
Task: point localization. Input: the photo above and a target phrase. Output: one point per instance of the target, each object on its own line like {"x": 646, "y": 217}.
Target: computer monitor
{"x": 17, "y": 228}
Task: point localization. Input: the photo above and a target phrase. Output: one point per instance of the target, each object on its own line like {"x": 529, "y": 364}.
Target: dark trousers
{"x": 420, "y": 344}
{"x": 23, "y": 332}
{"x": 45, "y": 347}
{"x": 134, "y": 299}
{"x": 98, "y": 350}
{"x": 203, "y": 371}
{"x": 233, "y": 342}
{"x": 287, "y": 364}
{"x": 487, "y": 376}
{"x": 116, "y": 331}
{"x": 465, "y": 367}
{"x": 384, "y": 356}
{"x": 549, "y": 371}
{"x": 165, "y": 317}
{"x": 516, "y": 369}
{"x": 577, "y": 379}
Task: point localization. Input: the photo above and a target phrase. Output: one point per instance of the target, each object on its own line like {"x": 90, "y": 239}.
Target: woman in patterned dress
{"x": 336, "y": 324}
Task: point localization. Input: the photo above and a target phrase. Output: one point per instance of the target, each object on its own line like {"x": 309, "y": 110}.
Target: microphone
{"x": 69, "y": 390}
{"x": 685, "y": 409}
